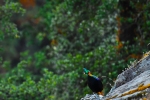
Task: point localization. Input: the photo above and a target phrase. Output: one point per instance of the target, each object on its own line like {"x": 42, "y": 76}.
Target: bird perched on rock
{"x": 94, "y": 83}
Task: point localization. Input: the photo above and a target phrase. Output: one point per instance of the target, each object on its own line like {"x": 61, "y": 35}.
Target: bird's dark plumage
{"x": 94, "y": 82}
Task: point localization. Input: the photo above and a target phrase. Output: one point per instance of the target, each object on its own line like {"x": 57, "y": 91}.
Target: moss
{"x": 112, "y": 97}
{"x": 144, "y": 99}
{"x": 140, "y": 88}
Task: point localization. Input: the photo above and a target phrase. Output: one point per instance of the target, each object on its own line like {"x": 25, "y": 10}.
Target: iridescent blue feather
{"x": 95, "y": 77}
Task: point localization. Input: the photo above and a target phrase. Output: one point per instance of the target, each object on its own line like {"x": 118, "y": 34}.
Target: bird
{"x": 94, "y": 83}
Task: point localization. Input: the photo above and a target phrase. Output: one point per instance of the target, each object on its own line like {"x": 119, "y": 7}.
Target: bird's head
{"x": 86, "y": 71}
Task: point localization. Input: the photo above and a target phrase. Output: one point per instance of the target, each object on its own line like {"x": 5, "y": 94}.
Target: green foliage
{"x": 52, "y": 52}
{"x": 6, "y": 11}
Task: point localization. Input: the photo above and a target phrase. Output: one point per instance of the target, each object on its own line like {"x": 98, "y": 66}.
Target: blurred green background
{"x": 45, "y": 44}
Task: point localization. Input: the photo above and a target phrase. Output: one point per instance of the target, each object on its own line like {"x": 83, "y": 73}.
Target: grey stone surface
{"x": 92, "y": 97}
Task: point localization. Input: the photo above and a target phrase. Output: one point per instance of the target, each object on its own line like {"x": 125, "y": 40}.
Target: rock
{"x": 133, "y": 83}
{"x": 92, "y": 97}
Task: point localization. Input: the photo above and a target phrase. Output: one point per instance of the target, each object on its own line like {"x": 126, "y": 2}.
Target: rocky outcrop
{"x": 133, "y": 83}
